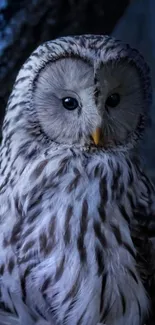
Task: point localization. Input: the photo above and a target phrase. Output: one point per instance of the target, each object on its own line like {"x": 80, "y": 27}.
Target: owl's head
{"x": 88, "y": 91}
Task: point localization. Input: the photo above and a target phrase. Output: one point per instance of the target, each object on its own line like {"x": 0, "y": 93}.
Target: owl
{"x": 72, "y": 186}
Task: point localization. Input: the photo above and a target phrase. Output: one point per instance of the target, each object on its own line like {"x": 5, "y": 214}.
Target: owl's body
{"x": 66, "y": 249}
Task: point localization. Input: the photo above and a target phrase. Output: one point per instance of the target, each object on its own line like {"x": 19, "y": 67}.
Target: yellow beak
{"x": 96, "y": 136}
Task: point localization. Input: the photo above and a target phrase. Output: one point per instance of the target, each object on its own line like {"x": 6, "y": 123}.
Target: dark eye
{"x": 113, "y": 100}
{"x": 70, "y": 103}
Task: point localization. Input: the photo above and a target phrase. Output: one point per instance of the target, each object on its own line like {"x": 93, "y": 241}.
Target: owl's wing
{"x": 143, "y": 235}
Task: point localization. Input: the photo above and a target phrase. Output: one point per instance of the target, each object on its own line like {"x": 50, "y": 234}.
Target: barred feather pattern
{"x": 66, "y": 249}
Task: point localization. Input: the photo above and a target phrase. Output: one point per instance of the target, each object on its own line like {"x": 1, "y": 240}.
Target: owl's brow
{"x": 70, "y": 90}
{"x": 114, "y": 89}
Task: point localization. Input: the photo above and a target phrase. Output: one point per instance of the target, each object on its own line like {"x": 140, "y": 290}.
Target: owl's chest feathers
{"x": 73, "y": 235}
{"x": 76, "y": 237}
{"x": 81, "y": 208}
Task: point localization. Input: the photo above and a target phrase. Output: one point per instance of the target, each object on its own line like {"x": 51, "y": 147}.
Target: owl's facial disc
{"x": 80, "y": 103}
{"x": 64, "y": 99}
{"x": 98, "y": 135}
{"x": 121, "y": 101}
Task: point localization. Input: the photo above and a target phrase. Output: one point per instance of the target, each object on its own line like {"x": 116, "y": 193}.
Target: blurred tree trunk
{"x": 24, "y": 24}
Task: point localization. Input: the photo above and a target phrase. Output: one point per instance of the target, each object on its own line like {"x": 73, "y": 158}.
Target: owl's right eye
{"x": 113, "y": 100}
{"x": 70, "y": 103}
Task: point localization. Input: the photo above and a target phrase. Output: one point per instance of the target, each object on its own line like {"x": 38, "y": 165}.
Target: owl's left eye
{"x": 70, "y": 103}
{"x": 113, "y": 100}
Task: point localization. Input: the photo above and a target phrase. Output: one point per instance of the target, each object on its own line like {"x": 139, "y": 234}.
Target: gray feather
{"x": 7, "y": 318}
